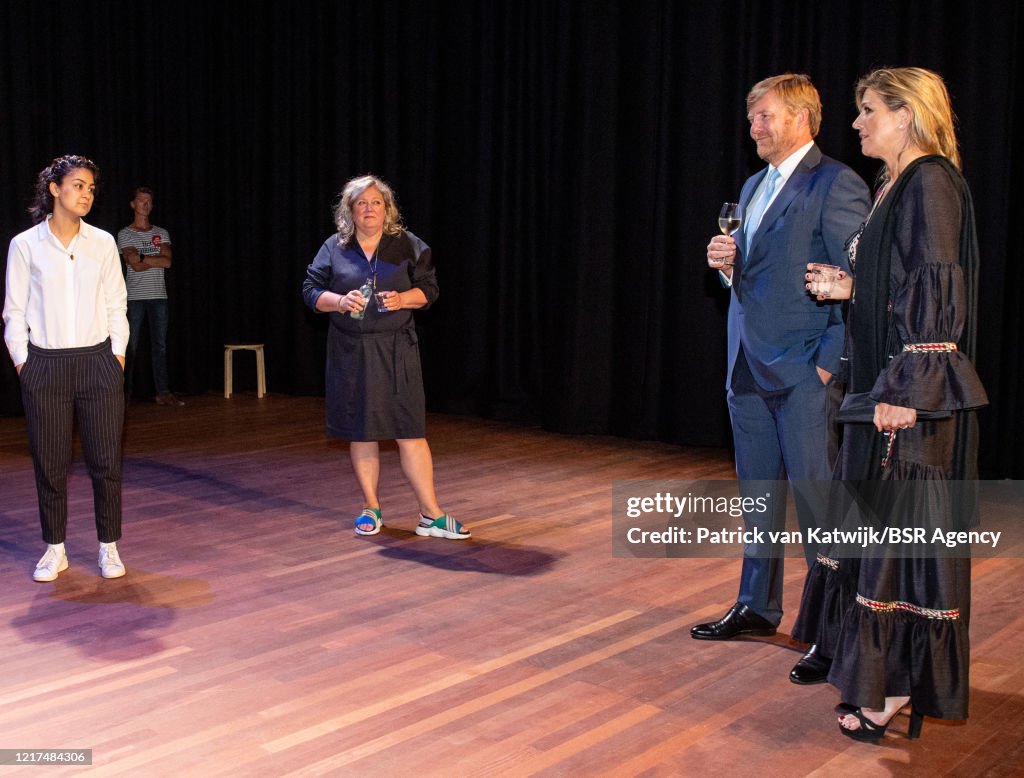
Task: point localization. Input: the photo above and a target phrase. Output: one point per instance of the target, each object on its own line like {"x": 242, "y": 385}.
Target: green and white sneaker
{"x": 443, "y": 527}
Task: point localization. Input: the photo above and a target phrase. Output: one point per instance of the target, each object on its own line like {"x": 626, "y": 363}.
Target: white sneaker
{"x": 50, "y": 565}
{"x": 110, "y": 562}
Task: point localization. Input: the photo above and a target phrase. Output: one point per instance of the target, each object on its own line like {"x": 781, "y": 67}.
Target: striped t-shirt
{"x": 147, "y": 284}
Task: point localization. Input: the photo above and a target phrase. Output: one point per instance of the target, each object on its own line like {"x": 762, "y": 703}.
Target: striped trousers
{"x": 58, "y": 385}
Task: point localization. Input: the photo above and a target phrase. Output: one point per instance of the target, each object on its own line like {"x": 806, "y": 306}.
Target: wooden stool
{"x": 261, "y": 373}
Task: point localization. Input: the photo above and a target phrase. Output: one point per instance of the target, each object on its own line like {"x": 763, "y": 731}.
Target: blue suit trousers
{"x": 787, "y": 433}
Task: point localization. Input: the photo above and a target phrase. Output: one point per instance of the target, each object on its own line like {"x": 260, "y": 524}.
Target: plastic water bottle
{"x": 366, "y": 290}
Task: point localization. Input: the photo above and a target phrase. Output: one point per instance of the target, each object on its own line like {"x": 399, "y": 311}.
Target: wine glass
{"x": 730, "y": 218}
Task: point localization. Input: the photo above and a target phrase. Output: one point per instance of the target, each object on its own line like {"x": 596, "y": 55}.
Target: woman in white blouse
{"x": 66, "y": 331}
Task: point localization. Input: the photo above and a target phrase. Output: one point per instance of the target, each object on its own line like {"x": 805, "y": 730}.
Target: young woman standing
{"x": 66, "y": 331}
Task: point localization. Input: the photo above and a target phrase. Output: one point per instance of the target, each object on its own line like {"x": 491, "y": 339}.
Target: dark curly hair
{"x": 55, "y": 172}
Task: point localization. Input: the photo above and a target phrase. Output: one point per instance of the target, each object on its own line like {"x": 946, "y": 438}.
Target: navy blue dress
{"x": 374, "y": 383}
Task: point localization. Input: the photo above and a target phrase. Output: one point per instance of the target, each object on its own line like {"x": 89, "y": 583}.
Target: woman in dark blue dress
{"x": 369, "y": 278}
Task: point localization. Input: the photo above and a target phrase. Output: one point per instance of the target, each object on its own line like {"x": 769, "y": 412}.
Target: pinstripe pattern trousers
{"x": 58, "y": 385}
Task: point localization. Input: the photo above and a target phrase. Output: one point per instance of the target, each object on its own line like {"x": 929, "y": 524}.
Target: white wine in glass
{"x": 730, "y": 218}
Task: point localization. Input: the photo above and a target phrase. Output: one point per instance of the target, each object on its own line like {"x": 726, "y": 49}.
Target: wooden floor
{"x": 255, "y": 635}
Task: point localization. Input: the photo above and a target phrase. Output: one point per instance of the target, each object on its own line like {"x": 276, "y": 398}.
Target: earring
{"x": 901, "y": 126}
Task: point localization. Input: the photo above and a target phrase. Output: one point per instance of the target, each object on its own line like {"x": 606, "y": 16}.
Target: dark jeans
{"x": 155, "y": 313}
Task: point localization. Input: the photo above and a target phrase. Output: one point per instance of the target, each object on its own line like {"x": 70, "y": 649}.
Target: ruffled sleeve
{"x": 929, "y": 309}
{"x": 929, "y": 303}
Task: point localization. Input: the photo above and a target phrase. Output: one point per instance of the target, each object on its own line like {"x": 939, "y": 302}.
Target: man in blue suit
{"x": 783, "y": 345}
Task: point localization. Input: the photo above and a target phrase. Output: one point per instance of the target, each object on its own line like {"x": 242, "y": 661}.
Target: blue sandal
{"x": 444, "y": 526}
{"x": 370, "y": 520}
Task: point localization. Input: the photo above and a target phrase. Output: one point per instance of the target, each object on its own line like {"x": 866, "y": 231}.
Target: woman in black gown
{"x": 897, "y": 627}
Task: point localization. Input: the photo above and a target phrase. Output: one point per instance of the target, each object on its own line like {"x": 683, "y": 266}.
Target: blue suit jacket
{"x": 785, "y": 332}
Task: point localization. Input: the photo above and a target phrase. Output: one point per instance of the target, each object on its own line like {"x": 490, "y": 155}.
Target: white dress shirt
{"x": 61, "y": 297}
{"x": 785, "y": 168}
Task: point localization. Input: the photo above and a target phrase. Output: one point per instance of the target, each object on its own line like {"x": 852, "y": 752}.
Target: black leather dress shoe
{"x": 740, "y": 620}
{"x": 812, "y": 668}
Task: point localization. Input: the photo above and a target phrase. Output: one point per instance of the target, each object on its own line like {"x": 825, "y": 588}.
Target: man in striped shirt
{"x": 146, "y": 249}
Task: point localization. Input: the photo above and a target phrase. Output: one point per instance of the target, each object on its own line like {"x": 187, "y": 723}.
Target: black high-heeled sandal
{"x": 916, "y": 722}
{"x": 870, "y": 732}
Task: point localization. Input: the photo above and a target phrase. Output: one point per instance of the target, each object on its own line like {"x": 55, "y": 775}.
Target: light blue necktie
{"x": 757, "y": 211}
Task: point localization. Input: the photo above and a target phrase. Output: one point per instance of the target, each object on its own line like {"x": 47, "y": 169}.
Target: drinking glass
{"x": 822, "y": 278}
{"x": 730, "y": 218}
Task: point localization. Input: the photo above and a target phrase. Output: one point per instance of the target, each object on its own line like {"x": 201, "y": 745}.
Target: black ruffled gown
{"x": 899, "y": 626}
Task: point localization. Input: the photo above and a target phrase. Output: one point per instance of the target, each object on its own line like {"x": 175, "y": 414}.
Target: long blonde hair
{"x": 924, "y": 94}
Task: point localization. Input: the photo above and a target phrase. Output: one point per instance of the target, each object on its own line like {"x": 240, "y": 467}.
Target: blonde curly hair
{"x": 350, "y": 193}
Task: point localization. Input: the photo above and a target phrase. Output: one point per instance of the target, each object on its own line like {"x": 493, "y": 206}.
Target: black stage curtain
{"x": 565, "y": 160}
